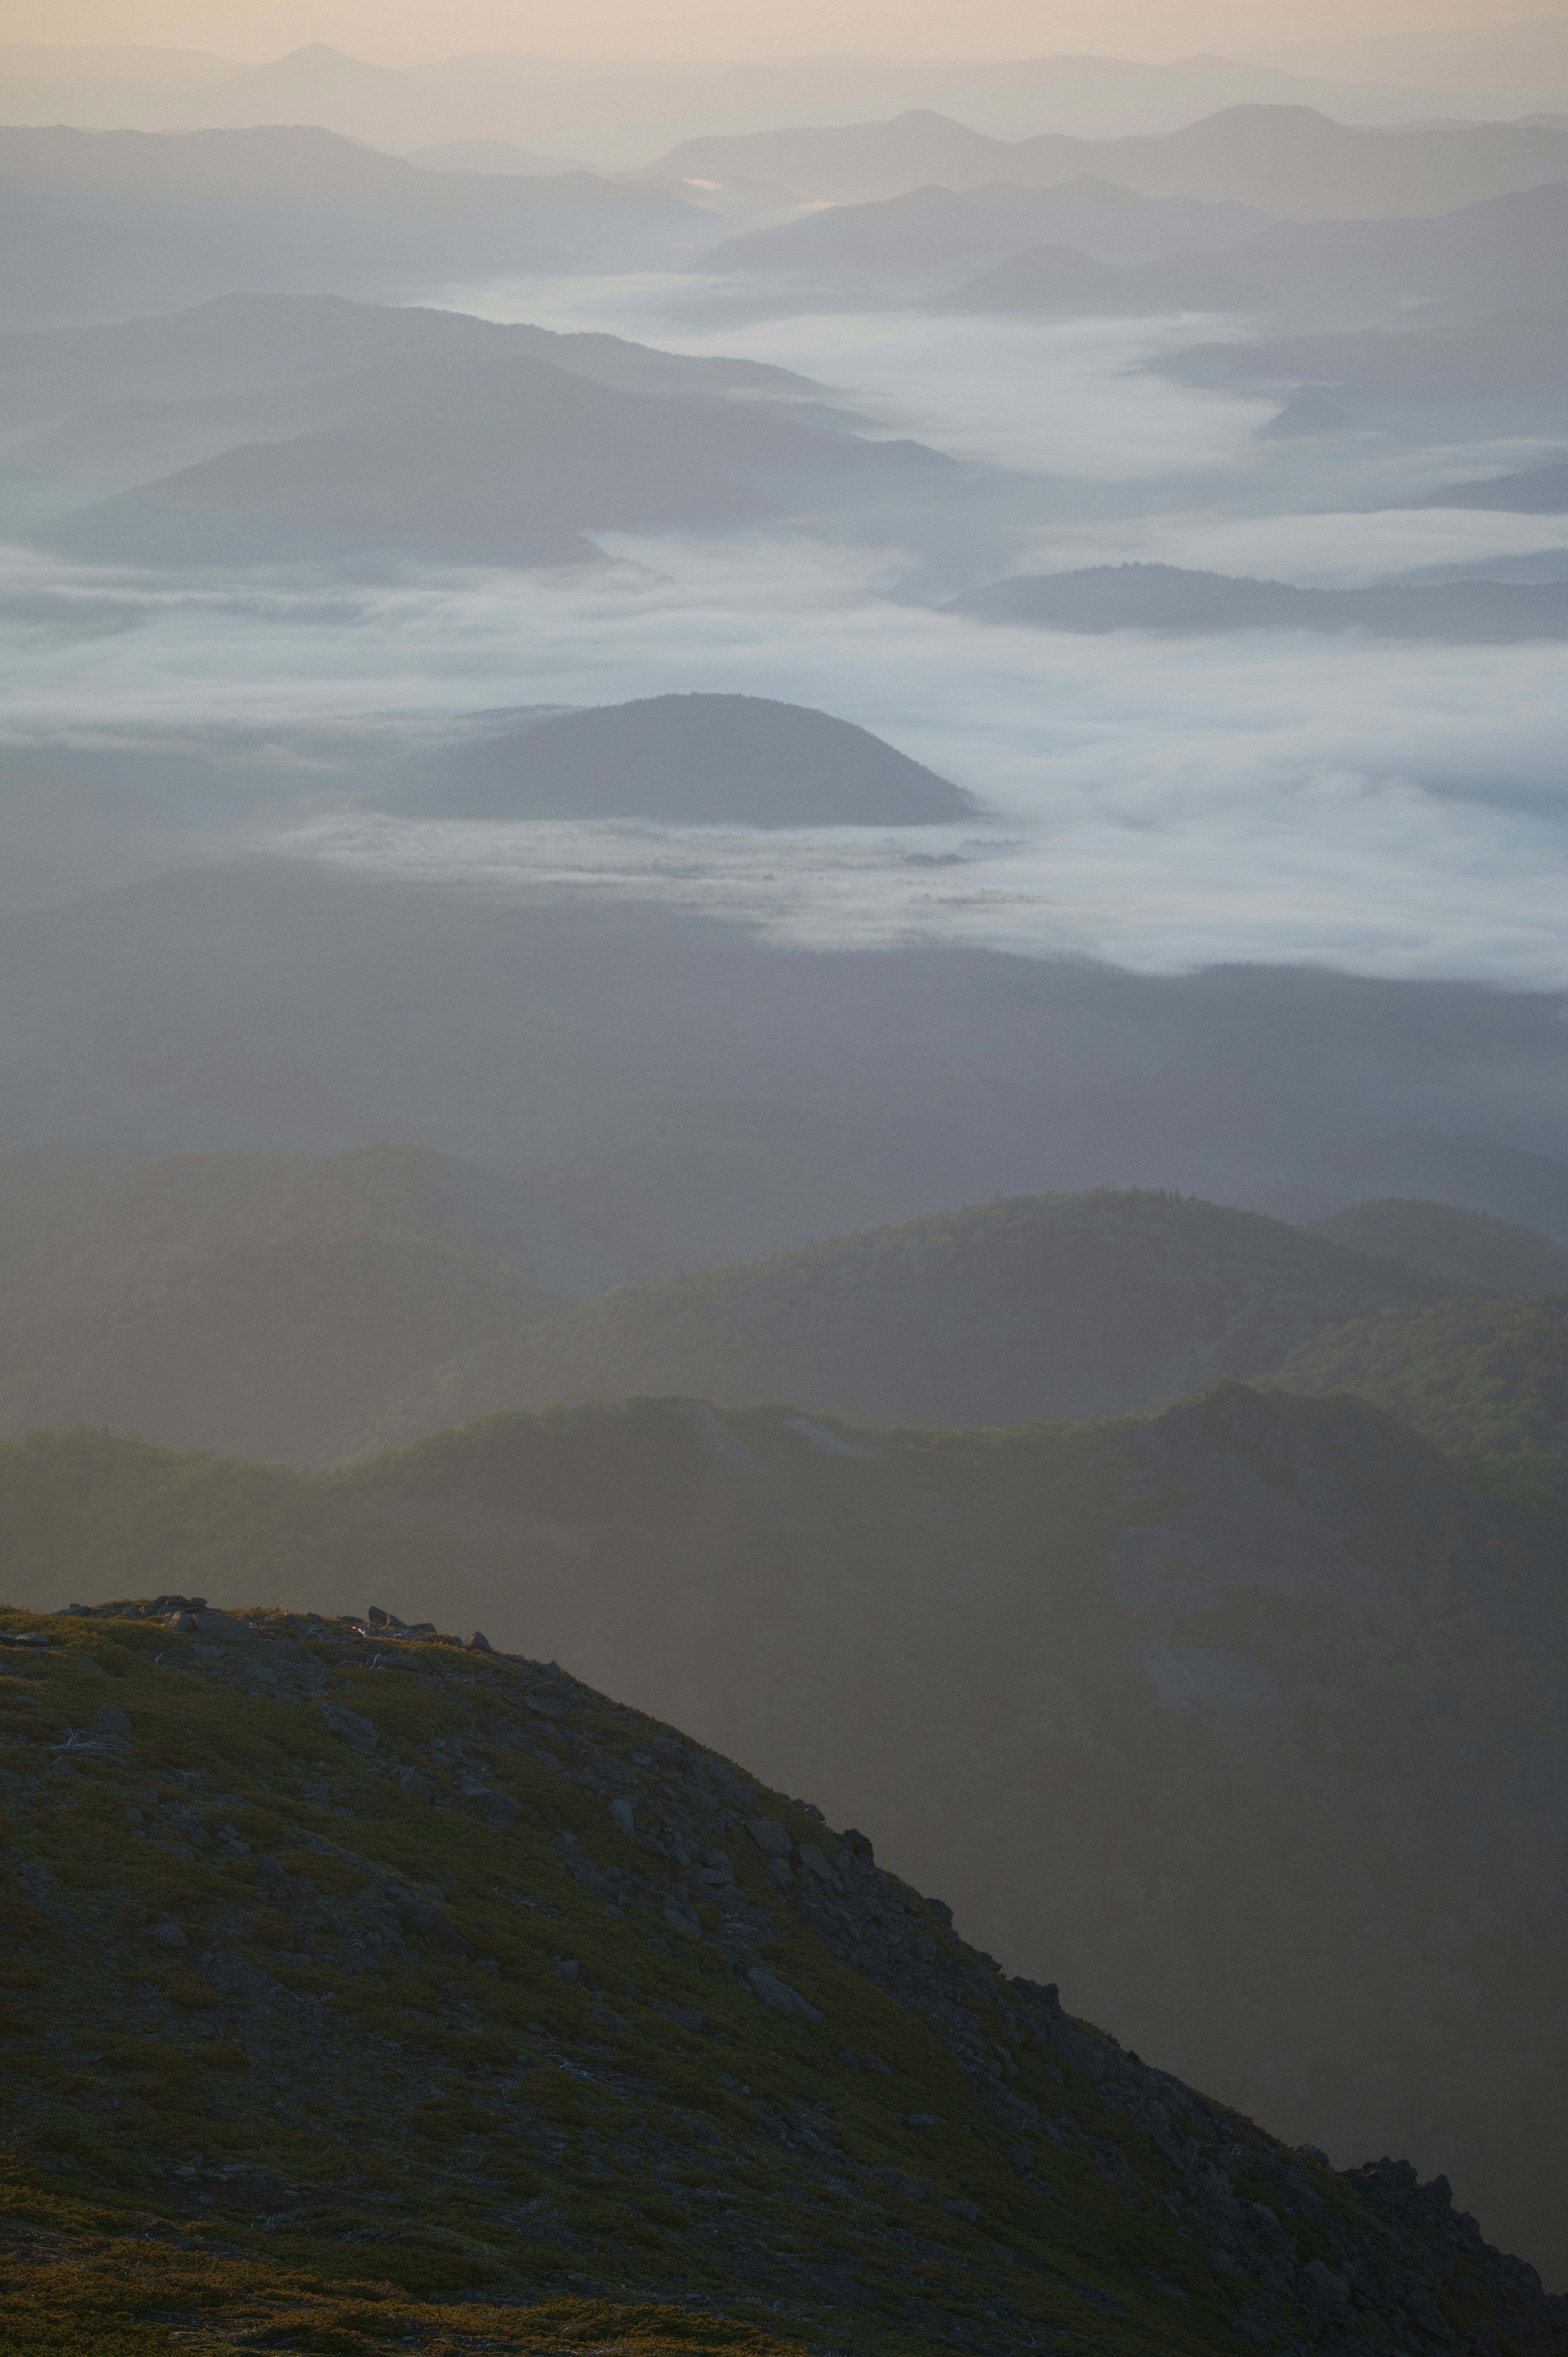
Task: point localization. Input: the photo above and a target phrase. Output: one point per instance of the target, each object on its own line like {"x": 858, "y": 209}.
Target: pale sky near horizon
{"x": 399, "y": 32}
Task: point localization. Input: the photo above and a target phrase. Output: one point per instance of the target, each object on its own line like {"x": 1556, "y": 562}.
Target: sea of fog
{"x": 1158, "y": 802}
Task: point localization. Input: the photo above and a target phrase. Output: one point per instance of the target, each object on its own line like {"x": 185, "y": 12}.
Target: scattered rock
{"x": 841, "y": 2286}
{"x": 110, "y": 1719}
{"x": 477, "y": 1644}
{"x": 815, "y": 1862}
{"x": 419, "y": 1915}
{"x": 778, "y": 1994}
{"x": 682, "y": 1919}
{"x": 350, "y": 1727}
{"x": 909, "y": 2187}
{"x": 168, "y": 1935}
{"x": 222, "y": 1629}
{"x": 621, "y": 1815}
{"x": 1322, "y": 2288}
{"x": 858, "y": 1842}
{"x": 769, "y": 1836}
{"x": 410, "y": 1781}
{"x": 495, "y": 1808}
{"x": 569, "y": 1968}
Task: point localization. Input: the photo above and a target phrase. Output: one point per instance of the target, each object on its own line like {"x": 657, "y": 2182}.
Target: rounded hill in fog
{"x": 722, "y": 758}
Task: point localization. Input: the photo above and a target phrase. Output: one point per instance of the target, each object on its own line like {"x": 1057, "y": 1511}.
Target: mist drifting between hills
{"x": 780, "y": 909}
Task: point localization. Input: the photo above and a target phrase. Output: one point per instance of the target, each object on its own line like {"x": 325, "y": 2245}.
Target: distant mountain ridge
{"x": 746, "y": 760}
{"x": 1499, "y": 255}
{"x": 930, "y": 235}
{"x": 1050, "y": 1307}
{"x": 1168, "y": 597}
{"x": 1288, "y": 160}
{"x": 1459, "y": 1246}
{"x": 120, "y": 222}
{"x": 517, "y": 464}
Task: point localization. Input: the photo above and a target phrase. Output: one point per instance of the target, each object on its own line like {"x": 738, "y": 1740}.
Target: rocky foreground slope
{"x": 365, "y": 1989}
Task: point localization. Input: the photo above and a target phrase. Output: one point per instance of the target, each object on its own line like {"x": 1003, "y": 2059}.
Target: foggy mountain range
{"x": 781, "y": 878}
{"x": 620, "y": 113}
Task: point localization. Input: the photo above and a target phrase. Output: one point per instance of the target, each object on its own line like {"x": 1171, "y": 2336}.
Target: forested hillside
{"x": 1039, "y": 1306}
{"x": 1487, "y": 1378}
{"x": 1461, "y": 1247}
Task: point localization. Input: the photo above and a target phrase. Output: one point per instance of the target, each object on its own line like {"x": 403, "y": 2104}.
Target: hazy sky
{"x": 399, "y": 31}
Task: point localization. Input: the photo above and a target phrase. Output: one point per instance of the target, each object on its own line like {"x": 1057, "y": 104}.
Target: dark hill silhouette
{"x": 1158, "y": 1666}
{"x": 1505, "y": 372}
{"x": 257, "y": 345}
{"x": 1500, "y": 254}
{"x": 1537, "y": 490}
{"x": 514, "y": 464}
{"x": 1056, "y": 278}
{"x": 125, "y": 403}
{"x": 1047, "y": 1306}
{"x": 1462, "y": 1247}
{"x": 933, "y": 235}
{"x": 1289, "y": 160}
{"x": 110, "y": 223}
{"x": 699, "y": 757}
{"x": 1168, "y": 597}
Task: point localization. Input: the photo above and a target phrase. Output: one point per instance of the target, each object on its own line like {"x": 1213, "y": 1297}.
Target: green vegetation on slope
{"x": 1040, "y": 1306}
{"x": 1487, "y": 1378}
{"x": 1237, "y": 1699}
{"x": 360, "y": 1995}
{"x": 264, "y": 1305}
{"x": 1469, "y": 1248}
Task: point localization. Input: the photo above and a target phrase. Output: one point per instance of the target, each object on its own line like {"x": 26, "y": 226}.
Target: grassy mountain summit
{"x": 1159, "y": 1665}
{"x": 1063, "y": 1305}
{"x": 626, "y": 2042}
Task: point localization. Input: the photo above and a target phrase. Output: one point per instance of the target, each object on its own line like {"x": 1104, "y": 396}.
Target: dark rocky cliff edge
{"x": 363, "y": 1989}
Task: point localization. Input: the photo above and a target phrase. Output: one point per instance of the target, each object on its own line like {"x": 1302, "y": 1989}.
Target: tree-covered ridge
{"x": 1490, "y": 1378}
{"x": 1159, "y": 1663}
{"x": 1035, "y": 1306}
{"x": 1462, "y": 1247}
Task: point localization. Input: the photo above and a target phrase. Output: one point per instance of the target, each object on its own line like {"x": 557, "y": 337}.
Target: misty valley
{"x": 783, "y": 1012}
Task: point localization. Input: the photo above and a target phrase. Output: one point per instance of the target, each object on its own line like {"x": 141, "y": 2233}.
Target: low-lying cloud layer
{"x": 1161, "y": 803}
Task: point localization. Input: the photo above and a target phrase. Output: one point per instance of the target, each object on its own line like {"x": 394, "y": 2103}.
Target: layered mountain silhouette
{"x": 1056, "y": 278}
{"x": 119, "y": 404}
{"x": 1495, "y": 255}
{"x": 1288, "y": 160}
{"x": 1461, "y": 1247}
{"x": 726, "y": 758}
{"x": 1537, "y": 490}
{"x": 283, "y": 1004}
{"x": 1501, "y": 372}
{"x": 1162, "y": 1663}
{"x": 516, "y": 464}
{"x": 113, "y": 222}
{"x": 1168, "y": 597}
{"x": 1042, "y": 1307}
{"x": 929, "y": 236}
{"x": 255, "y": 1304}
